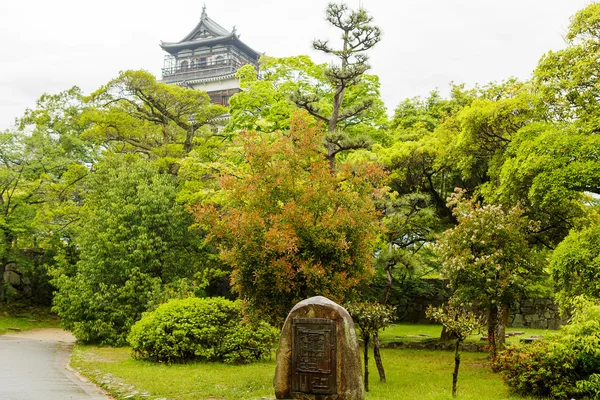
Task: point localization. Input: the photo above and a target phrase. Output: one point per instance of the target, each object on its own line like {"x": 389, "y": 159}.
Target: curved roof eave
{"x": 210, "y": 25}
{"x": 194, "y": 43}
{"x": 171, "y": 47}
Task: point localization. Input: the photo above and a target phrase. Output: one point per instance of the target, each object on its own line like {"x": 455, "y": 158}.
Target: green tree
{"x": 569, "y": 79}
{"x": 421, "y": 176}
{"x": 290, "y": 229}
{"x": 409, "y": 224}
{"x": 488, "y": 260}
{"x": 371, "y": 317}
{"x": 264, "y": 105}
{"x": 42, "y": 161}
{"x": 575, "y": 265}
{"x": 458, "y": 142}
{"x": 342, "y": 96}
{"x": 487, "y": 127}
{"x": 135, "y": 113}
{"x": 460, "y": 324}
{"x": 550, "y": 166}
{"x": 358, "y": 36}
{"x": 419, "y": 158}
{"x": 550, "y": 169}
{"x": 267, "y": 103}
{"x": 174, "y": 127}
{"x": 133, "y": 241}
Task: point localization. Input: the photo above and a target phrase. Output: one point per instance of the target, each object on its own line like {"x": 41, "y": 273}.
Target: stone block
{"x": 527, "y": 303}
{"x": 529, "y": 318}
{"x": 518, "y": 322}
{"x": 12, "y": 277}
{"x": 318, "y": 357}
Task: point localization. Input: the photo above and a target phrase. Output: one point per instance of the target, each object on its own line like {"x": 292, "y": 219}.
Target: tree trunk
{"x": 388, "y": 274}
{"x": 189, "y": 140}
{"x": 447, "y": 334}
{"x": 338, "y": 98}
{"x": 8, "y": 243}
{"x": 331, "y": 157}
{"x": 501, "y": 331}
{"x": 492, "y": 331}
{"x": 456, "y": 366}
{"x": 377, "y": 357}
{"x": 366, "y": 340}
{"x": 2, "y": 286}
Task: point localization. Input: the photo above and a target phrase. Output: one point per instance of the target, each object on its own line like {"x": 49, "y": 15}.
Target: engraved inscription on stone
{"x": 314, "y": 356}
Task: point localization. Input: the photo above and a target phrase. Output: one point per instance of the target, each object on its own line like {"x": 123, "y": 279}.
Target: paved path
{"x": 33, "y": 366}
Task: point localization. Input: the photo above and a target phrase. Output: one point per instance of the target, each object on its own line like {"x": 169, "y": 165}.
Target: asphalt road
{"x": 32, "y": 369}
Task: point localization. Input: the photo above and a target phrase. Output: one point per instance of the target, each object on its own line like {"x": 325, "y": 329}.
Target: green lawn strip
{"x": 26, "y": 322}
{"x": 427, "y": 375}
{"x": 412, "y": 374}
{"x": 423, "y": 332}
{"x": 410, "y": 332}
{"x": 116, "y": 371}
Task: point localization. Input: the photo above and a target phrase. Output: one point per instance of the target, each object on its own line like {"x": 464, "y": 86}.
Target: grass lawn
{"x": 116, "y": 371}
{"x": 27, "y": 319}
{"x": 412, "y": 374}
{"x": 420, "y": 332}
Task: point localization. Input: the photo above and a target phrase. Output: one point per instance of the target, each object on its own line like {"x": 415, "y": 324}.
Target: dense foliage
{"x": 42, "y": 162}
{"x": 565, "y": 366}
{"x": 488, "y": 261}
{"x": 135, "y": 113}
{"x": 132, "y": 241}
{"x": 205, "y": 329}
{"x": 309, "y": 190}
{"x": 575, "y": 265}
{"x": 289, "y": 228}
{"x": 339, "y": 94}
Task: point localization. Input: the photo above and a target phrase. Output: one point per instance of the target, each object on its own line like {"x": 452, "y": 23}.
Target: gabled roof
{"x": 205, "y": 28}
{"x": 207, "y": 33}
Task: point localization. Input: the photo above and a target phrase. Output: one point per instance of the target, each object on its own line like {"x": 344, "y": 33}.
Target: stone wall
{"x": 413, "y": 310}
{"x": 529, "y": 313}
{"x": 535, "y": 313}
{"x": 30, "y": 284}
{"x": 17, "y": 284}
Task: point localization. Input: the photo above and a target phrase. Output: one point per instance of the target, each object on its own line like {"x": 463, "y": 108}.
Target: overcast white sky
{"x": 51, "y": 45}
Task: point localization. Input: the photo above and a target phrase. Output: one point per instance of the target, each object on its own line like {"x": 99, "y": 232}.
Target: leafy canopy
{"x": 133, "y": 240}
{"x": 289, "y": 228}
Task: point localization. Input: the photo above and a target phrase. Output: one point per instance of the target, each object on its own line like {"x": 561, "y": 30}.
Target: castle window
{"x": 202, "y": 62}
{"x": 184, "y": 65}
{"x": 220, "y": 60}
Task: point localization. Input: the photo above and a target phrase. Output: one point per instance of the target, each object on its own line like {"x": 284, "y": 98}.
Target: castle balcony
{"x": 185, "y": 71}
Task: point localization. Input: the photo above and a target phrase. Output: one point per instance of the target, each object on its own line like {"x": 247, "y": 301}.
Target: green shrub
{"x": 564, "y": 366}
{"x": 104, "y": 313}
{"x": 248, "y": 342}
{"x": 131, "y": 249}
{"x": 206, "y": 329}
{"x": 540, "y": 368}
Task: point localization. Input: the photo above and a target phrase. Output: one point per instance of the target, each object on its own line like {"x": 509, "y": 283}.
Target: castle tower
{"x": 207, "y": 59}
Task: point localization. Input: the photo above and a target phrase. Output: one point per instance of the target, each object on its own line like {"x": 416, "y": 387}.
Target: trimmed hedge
{"x": 208, "y": 329}
{"x": 566, "y": 366}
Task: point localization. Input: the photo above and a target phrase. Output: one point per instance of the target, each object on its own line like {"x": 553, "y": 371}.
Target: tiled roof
{"x": 206, "y": 33}
{"x": 207, "y": 24}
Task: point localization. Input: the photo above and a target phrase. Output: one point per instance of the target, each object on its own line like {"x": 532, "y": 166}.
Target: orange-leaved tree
{"x": 288, "y": 227}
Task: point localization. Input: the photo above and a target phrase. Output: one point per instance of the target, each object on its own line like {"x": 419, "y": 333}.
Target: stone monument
{"x": 318, "y": 357}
